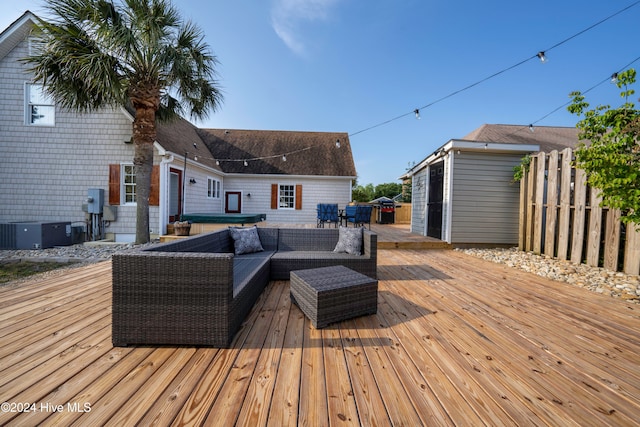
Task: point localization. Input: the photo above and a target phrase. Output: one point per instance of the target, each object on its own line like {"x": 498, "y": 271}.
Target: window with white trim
{"x": 40, "y": 107}
{"x": 213, "y": 188}
{"x": 287, "y": 196}
{"x": 128, "y": 184}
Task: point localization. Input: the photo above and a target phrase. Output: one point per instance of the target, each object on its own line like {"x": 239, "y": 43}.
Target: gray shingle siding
{"x": 485, "y": 201}
{"x": 46, "y": 171}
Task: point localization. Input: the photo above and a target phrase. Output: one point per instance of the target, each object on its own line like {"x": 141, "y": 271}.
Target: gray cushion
{"x": 245, "y": 240}
{"x": 350, "y": 241}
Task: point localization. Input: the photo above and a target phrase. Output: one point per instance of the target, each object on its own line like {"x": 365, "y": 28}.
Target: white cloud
{"x": 289, "y": 16}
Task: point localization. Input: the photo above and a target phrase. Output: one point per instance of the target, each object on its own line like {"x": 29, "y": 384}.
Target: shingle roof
{"x": 549, "y": 138}
{"x": 307, "y": 153}
{"x": 180, "y": 137}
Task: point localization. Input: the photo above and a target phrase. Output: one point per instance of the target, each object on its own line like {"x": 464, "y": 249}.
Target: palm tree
{"x": 91, "y": 54}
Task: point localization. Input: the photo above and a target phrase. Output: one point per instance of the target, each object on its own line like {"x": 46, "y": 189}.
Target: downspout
{"x": 449, "y": 227}
{"x": 184, "y": 180}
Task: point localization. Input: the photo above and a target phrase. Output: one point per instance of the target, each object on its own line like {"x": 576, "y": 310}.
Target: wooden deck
{"x": 456, "y": 341}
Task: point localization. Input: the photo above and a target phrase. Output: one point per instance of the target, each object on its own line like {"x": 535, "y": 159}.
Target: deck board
{"x": 456, "y": 341}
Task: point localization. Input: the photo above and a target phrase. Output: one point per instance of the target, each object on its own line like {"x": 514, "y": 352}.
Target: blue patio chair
{"x": 327, "y": 213}
{"x": 349, "y": 214}
{"x": 361, "y": 215}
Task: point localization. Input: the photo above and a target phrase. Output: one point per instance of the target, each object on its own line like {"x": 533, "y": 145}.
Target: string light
{"x": 541, "y": 55}
{"x": 614, "y": 78}
{"x": 531, "y": 128}
{"x": 417, "y": 113}
{"x": 246, "y": 161}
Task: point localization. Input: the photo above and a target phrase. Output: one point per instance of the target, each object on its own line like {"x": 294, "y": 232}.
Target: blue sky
{"x": 349, "y": 65}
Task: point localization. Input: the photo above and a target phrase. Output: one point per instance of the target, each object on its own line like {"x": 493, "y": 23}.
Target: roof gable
{"x": 15, "y": 33}
{"x": 181, "y": 137}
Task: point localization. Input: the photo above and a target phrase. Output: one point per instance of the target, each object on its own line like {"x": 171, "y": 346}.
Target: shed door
{"x": 434, "y": 205}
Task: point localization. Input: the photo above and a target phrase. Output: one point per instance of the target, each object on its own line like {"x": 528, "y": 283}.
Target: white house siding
{"x": 485, "y": 202}
{"x": 46, "y": 171}
{"x": 314, "y": 190}
{"x": 419, "y": 185}
{"x": 196, "y": 199}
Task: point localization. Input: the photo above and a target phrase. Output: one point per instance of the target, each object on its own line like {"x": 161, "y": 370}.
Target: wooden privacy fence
{"x": 561, "y": 216}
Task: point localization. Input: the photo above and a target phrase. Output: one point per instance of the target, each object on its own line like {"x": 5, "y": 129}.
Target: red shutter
{"x": 298, "y": 197}
{"x": 154, "y": 193}
{"x": 114, "y": 185}
{"x": 274, "y": 196}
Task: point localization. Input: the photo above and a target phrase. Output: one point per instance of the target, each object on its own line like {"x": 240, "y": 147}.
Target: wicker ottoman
{"x": 332, "y": 294}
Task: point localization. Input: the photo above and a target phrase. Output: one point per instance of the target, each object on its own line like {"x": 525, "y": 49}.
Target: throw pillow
{"x": 349, "y": 241}
{"x": 245, "y": 240}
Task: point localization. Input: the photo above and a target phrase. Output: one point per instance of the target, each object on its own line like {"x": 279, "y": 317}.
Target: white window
{"x": 287, "y": 197}
{"x": 40, "y": 108}
{"x": 128, "y": 184}
{"x": 213, "y": 188}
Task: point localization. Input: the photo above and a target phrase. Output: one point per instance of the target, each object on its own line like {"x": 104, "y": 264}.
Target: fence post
{"x": 530, "y": 194}
{"x": 539, "y": 203}
{"x": 612, "y": 240}
{"x": 579, "y": 205}
{"x": 552, "y": 204}
{"x": 522, "y": 219}
{"x": 595, "y": 228}
{"x": 632, "y": 249}
{"x": 565, "y": 204}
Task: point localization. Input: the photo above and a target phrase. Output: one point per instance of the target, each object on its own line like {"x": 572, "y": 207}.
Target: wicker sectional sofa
{"x": 195, "y": 291}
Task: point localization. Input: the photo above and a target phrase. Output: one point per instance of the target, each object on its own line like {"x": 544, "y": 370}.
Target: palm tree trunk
{"x": 144, "y": 135}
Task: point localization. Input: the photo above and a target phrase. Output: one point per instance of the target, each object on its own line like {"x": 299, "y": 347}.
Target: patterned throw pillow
{"x": 245, "y": 240}
{"x": 350, "y": 241}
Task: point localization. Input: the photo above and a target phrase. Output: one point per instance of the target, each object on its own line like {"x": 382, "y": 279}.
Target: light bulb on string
{"x": 284, "y": 157}
{"x": 417, "y": 113}
{"x": 542, "y": 57}
{"x": 338, "y": 143}
{"x": 246, "y": 163}
{"x": 614, "y": 78}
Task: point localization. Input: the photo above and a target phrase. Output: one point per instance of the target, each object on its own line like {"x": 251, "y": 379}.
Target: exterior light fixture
{"x": 192, "y": 181}
{"x": 338, "y": 142}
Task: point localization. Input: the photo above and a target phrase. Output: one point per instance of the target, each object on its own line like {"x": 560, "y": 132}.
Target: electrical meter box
{"x": 95, "y": 200}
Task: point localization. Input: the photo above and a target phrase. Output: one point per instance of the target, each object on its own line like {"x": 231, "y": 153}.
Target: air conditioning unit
{"x": 42, "y": 235}
{"x": 7, "y": 236}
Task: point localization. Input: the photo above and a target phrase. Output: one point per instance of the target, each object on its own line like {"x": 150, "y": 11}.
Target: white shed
{"x": 464, "y": 192}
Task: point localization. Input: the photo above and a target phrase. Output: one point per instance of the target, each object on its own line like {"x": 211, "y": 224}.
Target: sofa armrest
{"x": 171, "y": 298}
{"x": 370, "y": 244}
